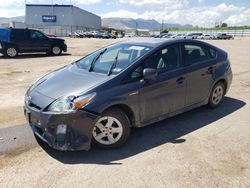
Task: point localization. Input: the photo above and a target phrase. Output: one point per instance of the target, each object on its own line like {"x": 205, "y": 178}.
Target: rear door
{"x": 200, "y": 63}
{"x": 19, "y": 38}
{"x": 166, "y": 94}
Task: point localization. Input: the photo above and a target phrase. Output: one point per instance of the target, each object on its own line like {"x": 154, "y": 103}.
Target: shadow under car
{"x": 146, "y": 138}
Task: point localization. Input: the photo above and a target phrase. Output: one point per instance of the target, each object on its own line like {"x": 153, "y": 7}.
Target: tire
{"x": 56, "y": 50}
{"x": 11, "y": 52}
{"x": 111, "y": 130}
{"x": 217, "y": 94}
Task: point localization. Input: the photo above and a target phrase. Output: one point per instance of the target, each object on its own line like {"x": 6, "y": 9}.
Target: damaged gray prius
{"x": 97, "y": 99}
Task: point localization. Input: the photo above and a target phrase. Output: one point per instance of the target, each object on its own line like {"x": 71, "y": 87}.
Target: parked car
{"x": 179, "y": 36}
{"x": 99, "y": 98}
{"x": 88, "y": 34}
{"x": 196, "y": 35}
{"x": 14, "y": 41}
{"x": 50, "y": 35}
{"x": 190, "y": 36}
{"x": 168, "y": 36}
{"x": 206, "y": 37}
{"x": 224, "y": 36}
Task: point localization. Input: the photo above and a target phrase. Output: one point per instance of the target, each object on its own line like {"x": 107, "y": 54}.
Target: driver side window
{"x": 164, "y": 60}
{"x": 36, "y": 35}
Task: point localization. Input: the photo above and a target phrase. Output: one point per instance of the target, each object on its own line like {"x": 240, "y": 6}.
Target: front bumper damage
{"x": 75, "y": 130}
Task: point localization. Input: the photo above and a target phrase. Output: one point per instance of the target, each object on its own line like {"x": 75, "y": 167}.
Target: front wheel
{"x": 56, "y": 50}
{"x": 111, "y": 130}
{"x": 216, "y": 95}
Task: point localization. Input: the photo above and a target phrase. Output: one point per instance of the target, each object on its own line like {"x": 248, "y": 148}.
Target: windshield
{"x": 113, "y": 59}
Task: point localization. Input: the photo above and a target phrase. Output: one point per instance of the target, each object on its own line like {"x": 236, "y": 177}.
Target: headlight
{"x": 71, "y": 103}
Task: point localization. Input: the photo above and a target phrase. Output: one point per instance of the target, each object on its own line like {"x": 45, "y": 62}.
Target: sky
{"x": 204, "y": 13}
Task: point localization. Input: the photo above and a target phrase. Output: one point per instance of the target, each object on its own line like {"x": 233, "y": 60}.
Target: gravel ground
{"x": 200, "y": 148}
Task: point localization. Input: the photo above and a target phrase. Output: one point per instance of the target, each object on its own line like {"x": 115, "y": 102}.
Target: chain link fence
{"x": 235, "y": 33}
{"x": 60, "y": 31}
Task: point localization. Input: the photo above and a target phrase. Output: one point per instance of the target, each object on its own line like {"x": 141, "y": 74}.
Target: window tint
{"x": 18, "y": 35}
{"x": 212, "y": 53}
{"x": 36, "y": 35}
{"x": 194, "y": 53}
{"x": 166, "y": 59}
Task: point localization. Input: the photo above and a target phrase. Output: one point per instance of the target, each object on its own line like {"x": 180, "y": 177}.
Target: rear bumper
{"x": 78, "y": 133}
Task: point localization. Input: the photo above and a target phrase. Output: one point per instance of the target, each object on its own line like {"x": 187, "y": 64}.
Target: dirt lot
{"x": 201, "y": 148}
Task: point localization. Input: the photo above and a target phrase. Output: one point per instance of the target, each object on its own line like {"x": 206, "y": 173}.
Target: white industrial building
{"x": 60, "y": 19}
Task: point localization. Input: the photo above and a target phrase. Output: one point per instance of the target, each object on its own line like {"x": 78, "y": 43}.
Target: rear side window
{"x": 194, "y": 53}
{"x": 18, "y": 35}
{"x": 212, "y": 53}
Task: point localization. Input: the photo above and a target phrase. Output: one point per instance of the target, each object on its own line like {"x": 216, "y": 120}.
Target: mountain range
{"x": 129, "y": 23}
{"x": 120, "y": 23}
{"x": 18, "y": 19}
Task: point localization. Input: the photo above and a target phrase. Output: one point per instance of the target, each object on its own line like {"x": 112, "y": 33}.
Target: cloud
{"x": 205, "y": 16}
{"x": 155, "y": 2}
{"x": 121, "y": 14}
{"x": 11, "y": 12}
{"x": 85, "y": 2}
{"x": 12, "y": 8}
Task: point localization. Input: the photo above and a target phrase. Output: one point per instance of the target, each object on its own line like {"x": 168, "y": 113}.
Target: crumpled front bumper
{"x": 77, "y": 135}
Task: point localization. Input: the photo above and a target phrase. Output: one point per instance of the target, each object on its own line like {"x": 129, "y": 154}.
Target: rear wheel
{"x": 56, "y": 50}
{"x": 11, "y": 52}
{"x": 111, "y": 130}
{"x": 216, "y": 95}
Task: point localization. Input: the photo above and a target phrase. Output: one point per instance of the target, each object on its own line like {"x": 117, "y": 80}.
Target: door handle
{"x": 180, "y": 80}
{"x": 209, "y": 71}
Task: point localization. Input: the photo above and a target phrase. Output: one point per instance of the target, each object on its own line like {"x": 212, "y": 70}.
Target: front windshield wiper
{"x": 92, "y": 65}
{"x": 113, "y": 66}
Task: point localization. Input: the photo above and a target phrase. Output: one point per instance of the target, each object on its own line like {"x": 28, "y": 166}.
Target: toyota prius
{"x": 96, "y": 100}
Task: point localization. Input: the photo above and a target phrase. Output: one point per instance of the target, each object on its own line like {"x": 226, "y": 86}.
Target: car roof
{"x": 156, "y": 42}
{"x": 150, "y": 42}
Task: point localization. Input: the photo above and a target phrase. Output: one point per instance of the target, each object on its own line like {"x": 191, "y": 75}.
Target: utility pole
{"x": 136, "y": 28}
{"x": 52, "y": 7}
{"x": 162, "y": 25}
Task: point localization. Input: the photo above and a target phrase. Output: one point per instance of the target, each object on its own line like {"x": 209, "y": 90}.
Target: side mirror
{"x": 150, "y": 74}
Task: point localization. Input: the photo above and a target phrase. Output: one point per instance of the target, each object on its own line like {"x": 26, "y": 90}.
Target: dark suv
{"x": 14, "y": 41}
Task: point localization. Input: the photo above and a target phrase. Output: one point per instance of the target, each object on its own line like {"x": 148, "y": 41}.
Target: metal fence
{"x": 60, "y": 31}
{"x": 236, "y": 33}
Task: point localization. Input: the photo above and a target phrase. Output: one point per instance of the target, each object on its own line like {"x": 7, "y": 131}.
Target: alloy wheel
{"x": 108, "y": 130}
{"x": 11, "y": 52}
{"x": 217, "y": 94}
{"x": 56, "y": 50}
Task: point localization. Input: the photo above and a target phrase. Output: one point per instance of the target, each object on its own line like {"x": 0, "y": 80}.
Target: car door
{"x": 166, "y": 94}
{"x": 37, "y": 41}
{"x": 19, "y": 39}
{"x": 200, "y": 67}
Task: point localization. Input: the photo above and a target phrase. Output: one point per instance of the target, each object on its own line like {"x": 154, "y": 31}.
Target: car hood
{"x": 67, "y": 81}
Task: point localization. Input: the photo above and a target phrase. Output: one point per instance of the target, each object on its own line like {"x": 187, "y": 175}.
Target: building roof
{"x": 56, "y": 5}
{"x": 49, "y": 5}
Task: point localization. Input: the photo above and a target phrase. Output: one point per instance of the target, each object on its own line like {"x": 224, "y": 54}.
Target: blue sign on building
{"x": 49, "y": 18}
